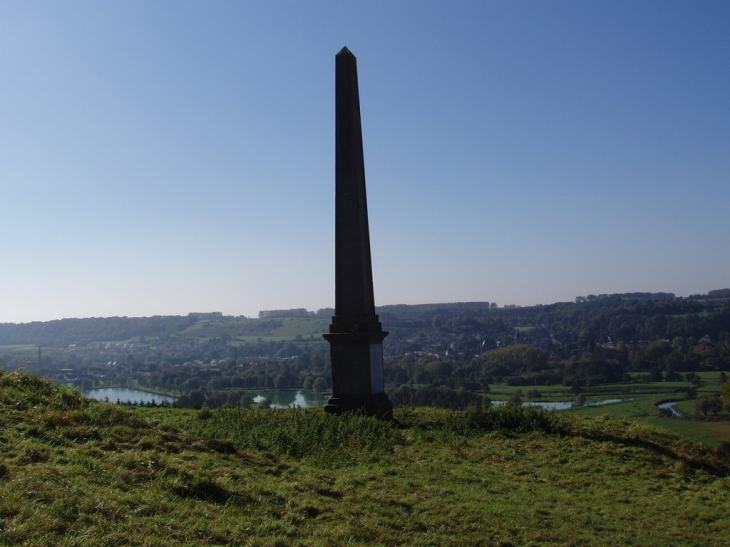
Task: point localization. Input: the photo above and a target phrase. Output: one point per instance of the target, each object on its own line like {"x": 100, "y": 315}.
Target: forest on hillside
{"x": 461, "y": 347}
{"x": 628, "y": 317}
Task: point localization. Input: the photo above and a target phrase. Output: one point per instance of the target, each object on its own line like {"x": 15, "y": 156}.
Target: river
{"x": 670, "y": 405}
{"x": 562, "y": 405}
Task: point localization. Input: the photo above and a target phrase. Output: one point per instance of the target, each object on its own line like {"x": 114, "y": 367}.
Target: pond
{"x": 126, "y": 395}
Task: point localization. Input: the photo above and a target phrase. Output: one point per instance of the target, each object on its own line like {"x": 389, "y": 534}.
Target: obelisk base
{"x": 357, "y": 373}
{"x": 378, "y": 405}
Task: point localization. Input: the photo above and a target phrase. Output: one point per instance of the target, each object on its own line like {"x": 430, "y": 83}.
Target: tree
{"x": 516, "y": 399}
{"x": 280, "y": 382}
{"x": 191, "y": 384}
{"x": 437, "y": 369}
{"x": 319, "y": 385}
{"x": 708, "y": 403}
{"x": 655, "y": 374}
{"x": 672, "y": 376}
{"x": 726, "y": 394}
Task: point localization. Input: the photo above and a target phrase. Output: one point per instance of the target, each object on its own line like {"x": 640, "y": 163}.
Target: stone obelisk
{"x": 356, "y": 335}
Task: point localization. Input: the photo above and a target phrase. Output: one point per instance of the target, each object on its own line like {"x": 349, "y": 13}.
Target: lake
{"x": 288, "y": 399}
{"x": 278, "y": 398}
{"x": 124, "y": 395}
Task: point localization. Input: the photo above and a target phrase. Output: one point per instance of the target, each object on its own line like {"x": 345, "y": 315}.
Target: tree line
{"x": 435, "y": 352}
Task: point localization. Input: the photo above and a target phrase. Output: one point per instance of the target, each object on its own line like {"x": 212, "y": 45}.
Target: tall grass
{"x": 508, "y": 419}
{"x": 21, "y": 391}
{"x": 308, "y": 434}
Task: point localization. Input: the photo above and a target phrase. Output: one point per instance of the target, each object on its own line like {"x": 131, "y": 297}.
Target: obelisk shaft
{"x": 353, "y": 268}
{"x": 356, "y": 334}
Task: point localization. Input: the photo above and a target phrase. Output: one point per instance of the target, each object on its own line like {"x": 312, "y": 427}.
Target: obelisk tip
{"x": 345, "y": 51}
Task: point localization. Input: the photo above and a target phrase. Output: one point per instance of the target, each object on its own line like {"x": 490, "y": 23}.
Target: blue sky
{"x": 174, "y": 156}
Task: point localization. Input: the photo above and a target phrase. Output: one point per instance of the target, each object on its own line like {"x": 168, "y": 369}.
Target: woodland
{"x": 437, "y": 354}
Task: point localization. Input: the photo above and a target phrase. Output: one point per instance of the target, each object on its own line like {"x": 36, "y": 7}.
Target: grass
{"x": 711, "y": 433}
{"x": 79, "y": 472}
{"x": 632, "y": 406}
{"x": 4, "y": 348}
{"x": 267, "y": 329}
{"x": 639, "y": 403}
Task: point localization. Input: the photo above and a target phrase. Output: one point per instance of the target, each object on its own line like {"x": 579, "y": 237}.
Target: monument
{"x": 355, "y": 335}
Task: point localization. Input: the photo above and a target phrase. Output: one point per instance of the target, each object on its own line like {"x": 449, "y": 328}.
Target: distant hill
{"x": 62, "y": 332}
{"x": 596, "y": 312}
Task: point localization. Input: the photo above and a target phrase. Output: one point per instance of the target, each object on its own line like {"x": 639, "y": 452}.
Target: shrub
{"x": 708, "y": 403}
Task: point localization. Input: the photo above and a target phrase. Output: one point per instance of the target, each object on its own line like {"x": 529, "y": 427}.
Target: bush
{"x": 439, "y": 397}
{"x": 708, "y": 403}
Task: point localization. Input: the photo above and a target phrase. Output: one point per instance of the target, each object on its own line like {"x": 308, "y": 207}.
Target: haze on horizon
{"x": 163, "y": 158}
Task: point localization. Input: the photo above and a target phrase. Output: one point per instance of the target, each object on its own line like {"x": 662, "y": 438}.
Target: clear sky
{"x": 159, "y": 158}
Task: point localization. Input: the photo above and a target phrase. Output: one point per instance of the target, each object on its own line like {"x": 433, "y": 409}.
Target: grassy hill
{"x": 252, "y": 329}
{"x": 81, "y": 472}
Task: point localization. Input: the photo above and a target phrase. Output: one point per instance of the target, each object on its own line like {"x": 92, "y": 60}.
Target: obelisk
{"x": 355, "y": 335}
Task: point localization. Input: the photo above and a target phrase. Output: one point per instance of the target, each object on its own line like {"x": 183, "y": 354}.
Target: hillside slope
{"x": 80, "y": 472}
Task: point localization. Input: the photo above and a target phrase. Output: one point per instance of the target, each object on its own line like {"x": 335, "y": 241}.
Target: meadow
{"x": 251, "y": 330}
{"x": 638, "y": 401}
{"x": 79, "y": 472}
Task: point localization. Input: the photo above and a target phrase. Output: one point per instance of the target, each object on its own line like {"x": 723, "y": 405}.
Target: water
{"x": 278, "y": 398}
{"x": 302, "y": 399}
{"x": 288, "y": 399}
{"x": 670, "y": 406}
{"x": 562, "y": 405}
{"x": 126, "y": 395}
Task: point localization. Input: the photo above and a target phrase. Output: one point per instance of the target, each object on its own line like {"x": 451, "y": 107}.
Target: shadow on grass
{"x": 205, "y": 489}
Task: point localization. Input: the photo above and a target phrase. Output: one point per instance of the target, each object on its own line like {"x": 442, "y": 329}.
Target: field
{"x": 78, "y": 472}
{"x": 639, "y": 402}
{"x": 250, "y": 330}
{"x": 17, "y": 347}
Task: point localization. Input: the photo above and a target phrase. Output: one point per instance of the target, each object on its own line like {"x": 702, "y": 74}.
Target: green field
{"x": 639, "y": 402}
{"x": 250, "y": 330}
{"x": 18, "y": 347}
